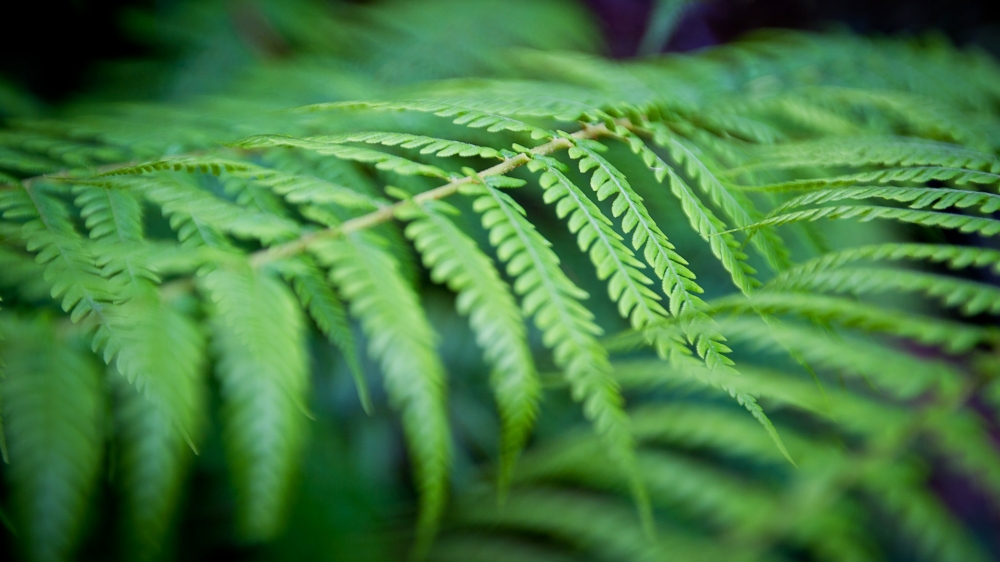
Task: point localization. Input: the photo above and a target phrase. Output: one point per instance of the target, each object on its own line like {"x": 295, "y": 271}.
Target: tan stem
{"x": 388, "y": 212}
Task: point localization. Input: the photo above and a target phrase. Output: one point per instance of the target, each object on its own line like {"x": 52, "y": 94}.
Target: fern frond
{"x": 191, "y": 164}
{"x": 897, "y": 373}
{"x": 119, "y": 300}
{"x": 381, "y": 160}
{"x": 925, "y": 116}
{"x": 52, "y": 143}
{"x": 627, "y": 286}
{"x": 197, "y": 214}
{"x": 724, "y": 247}
{"x": 955, "y": 257}
{"x": 454, "y": 259}
{"x": 53, "y": 414}
{"x": 740, "y": 126}
{"x": 157, "y": 434}
{"x": 954, "y": 337}
{"x": 402, "y": 340}
{"x": 864, "y": 213}
{"x": 439, "y": 147}
{"x": 723, "y": 431}
{"x": 918, "y": 197}
{"x": 567, "y": 327}
{"x": 695, "y": 488}
{"x": 849, "y": 411}
{"x": 793, "y": 111}
{"x": 110, "y": 212}
{"x": 158, "y": 351}
{"x": 740, "y": 209}
{"x": 26, "y": 162}
{"x": 614, "y": 261}
{"x": 151, "y": 258}
{"x": 327, "y": 311}
{"x": 70, "y": 267}
{"x": 77, "y": 282}
{"x": 723, "y": 244}
{"x": 586, "y": 521}
{"x": 876, "y": 151}
{"x": 970, "y": 297}
{"x": 295, "y": 187}
{"x": 135, "y": 331}
{"x": 487, "y": 114}
{"x": 917, "y": 174}
{"x": 258, "y": 335}
{"x": 155, "y": 347}
{"x": 678, "y": 281}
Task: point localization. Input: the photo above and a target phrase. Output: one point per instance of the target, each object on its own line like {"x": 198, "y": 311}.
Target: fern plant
{"x": 167, "y": 270}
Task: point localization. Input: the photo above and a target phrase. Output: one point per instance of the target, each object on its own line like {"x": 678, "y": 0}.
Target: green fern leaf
{"x": 303, "y": 189}
{"x": 124, "y": 308}
{"x": 970, "y": 297}
{"x": 724, "y": 246}
{"x": 586, "y": 521}
{"x": 402, "y": 340}
{"x": 918, "y": 174}
{"x": 482, "y": 115}
{"x": 956, "y": 257}
{"x": 567, "y": 327}
{"x": 453, "y": 258}
{"x": 110, "y": 212}
{"x": 627, "y": 286}
{"x": 169, "y": 375}
{"x": 297, "y": 188}
{"x": 70, "y": 267}
{"x": 382, "y": 160}
{"x": 442, "y": 148}
{"x": 695, "y": 487}
{"x": 726, "y": 432}
{"x": 668, "y": 265}
{"x": 156, "y": 433}
{"x": 134, "y": 330}
{"x": 53, "y": 409}
{"x": 199, "y": 217}
{"x": 925, "y": 116}
{"x": 897, "y": 373}
{"x": 954, "y": 337}
{"x": 740, "y": 209}
{"x": 197, "y": 214}
{"x": 851, "y": 412}
{"x": 326, "y": 309}
{"x": 614, "y": 261}
{"x": 877, "y": 151}
{"x": 26, "y": 163}
{"x": 258, "y": 335}
{"x": 918, "y": 197}
{"x": 962, "y": 223}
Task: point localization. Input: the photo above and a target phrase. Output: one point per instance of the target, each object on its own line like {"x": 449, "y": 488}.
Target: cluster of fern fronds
{"x": 164, "y": 269}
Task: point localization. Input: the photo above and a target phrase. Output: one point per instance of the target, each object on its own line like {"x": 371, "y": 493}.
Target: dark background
{"x": 51, "y": 48}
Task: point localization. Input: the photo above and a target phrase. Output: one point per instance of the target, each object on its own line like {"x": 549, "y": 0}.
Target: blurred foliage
{"x": 192, "y": 274}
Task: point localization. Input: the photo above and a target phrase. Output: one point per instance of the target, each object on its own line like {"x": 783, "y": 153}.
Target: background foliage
{"x": 235, "y": 329}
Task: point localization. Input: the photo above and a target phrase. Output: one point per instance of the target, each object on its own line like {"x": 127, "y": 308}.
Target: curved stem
{"x": 387, "y": 213}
